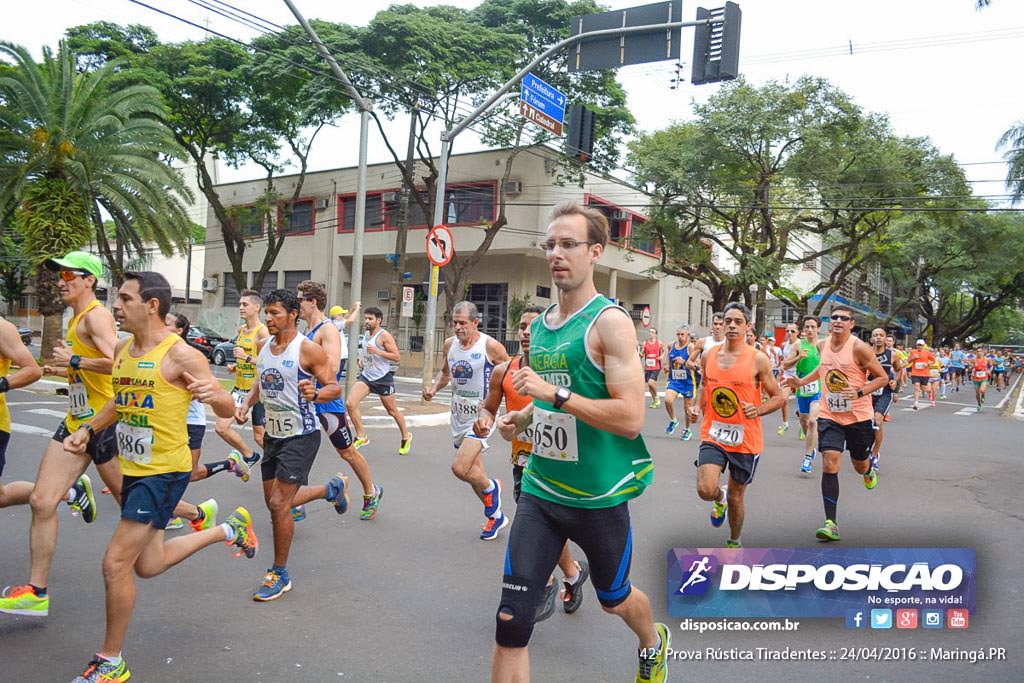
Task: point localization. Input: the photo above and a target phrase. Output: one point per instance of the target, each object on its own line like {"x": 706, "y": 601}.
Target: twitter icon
{"x": 881, "y": 618}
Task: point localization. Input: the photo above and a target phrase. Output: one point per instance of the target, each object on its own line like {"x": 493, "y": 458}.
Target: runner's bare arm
{"x": 76, "y": 441}
{"x": 776, "y": 396}
{"x": 12, "y": 348}
{"x": 312, "y": 356}
{"x": 443, "y": 376}
{"x": 698, "y": 403}
{"x": 515, "y": 422}
{"x": 492, "y": 401}
{"x": 864, "y": 356}
{"x": 330, "y": 340}
{"x": 496, "y": 351}
{"x": 190, "y": 370}
{"x": 389, "y": 350}
{"x": 796, "y": 352}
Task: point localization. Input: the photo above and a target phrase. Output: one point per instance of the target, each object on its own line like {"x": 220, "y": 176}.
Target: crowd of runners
{"x": 572, "y": 405}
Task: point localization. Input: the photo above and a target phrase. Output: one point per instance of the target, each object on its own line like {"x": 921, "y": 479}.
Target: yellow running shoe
{"x": 653, "y": 666}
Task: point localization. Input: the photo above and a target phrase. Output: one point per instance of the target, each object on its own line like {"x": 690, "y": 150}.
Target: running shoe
{"x": 245, "y": 537}
{"x": 361, "y": 441}
{"x": 887, "y": 418}
{"x": 874, "y": 462}
{"x": 733, "y": 544}
{"x": 254, "y": 460}
{"x": 489, "y": 529}
{"x": 915, "y": 405}
{"x": 174, "y": 523}
{"x": 572, "y": 593}
{"x": 687, "y": 435}
{"x": 718, "y": 509}
{"x": 783, "y": 428}
{"x": 547, "y": 604}
{"x": 101, "y": 670}
{"x": 406, "y": 445}
{"x": 24, "y": 601}
{"x": 337, "y": 493}
{"x": 372, "y": 504}
{"x": 656, "y": 403}
{"x": 237, "y": 464}
{"x": 492, "y": 500}
{"x": 299, "y": 513}
{"x": 653, "y": 665}
{"x": 209, "y": 520}
{"x": 84, "y": 503}
{"x": 807, "y": 467}
{"x": 871, "y": 478}
{"x": 943, "y": 397}
{"x": 275, "y": 584}
{"x": 802, "y": 435}
{"x": 672, "y": 424}
{"x": 933, "y": 403}
{"x": 828, "y": 532}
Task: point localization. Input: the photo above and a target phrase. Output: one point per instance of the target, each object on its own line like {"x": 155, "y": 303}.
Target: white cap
{"x": 920, "y": 342}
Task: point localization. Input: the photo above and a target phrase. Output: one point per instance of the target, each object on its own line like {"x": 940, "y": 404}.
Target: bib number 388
{"x": 554, "y": 435}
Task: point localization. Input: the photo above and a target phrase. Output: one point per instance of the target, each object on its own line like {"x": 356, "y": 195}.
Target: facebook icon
{"x": 855, "y": 618}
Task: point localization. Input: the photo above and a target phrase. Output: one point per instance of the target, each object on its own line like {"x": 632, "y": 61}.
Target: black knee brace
{"x": 519, "y": 600}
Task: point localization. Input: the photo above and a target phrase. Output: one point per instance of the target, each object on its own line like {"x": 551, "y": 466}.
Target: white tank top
{"x": 790, "y": 371}
{"x": 344, "y": 339}
{"x": 470, "y": 372}
{"x": 288, "y": 414}
{"x": 710, "y": 343}
{"x": 374, "y": 366}
{"x": 196, "y": 413}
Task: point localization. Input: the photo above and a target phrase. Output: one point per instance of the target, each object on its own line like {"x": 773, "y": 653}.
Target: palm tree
{"x": 1013, "y": 141}
{"x": 75, "y": 146}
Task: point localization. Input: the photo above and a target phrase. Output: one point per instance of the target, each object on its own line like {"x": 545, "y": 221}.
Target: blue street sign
{"x": 543, "y": 97}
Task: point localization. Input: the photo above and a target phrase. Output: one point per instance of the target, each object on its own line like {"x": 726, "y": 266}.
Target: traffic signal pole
{"x": 449, "y": 135}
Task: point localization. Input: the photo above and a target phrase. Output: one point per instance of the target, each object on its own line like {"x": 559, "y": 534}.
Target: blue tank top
{"x": 338, "y": 404}
{"x": 678, "y": 372}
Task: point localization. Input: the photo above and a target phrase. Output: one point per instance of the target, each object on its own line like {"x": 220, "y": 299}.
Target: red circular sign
{"x": 440, "y": 245}
{"x": 645, "y": 316}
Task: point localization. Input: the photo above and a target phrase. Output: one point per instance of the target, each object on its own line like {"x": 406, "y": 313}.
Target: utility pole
{"x": 408, "y": 187}
{"x": 365, "y": 107}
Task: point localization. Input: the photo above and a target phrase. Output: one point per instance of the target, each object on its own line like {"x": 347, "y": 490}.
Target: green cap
{"x": 77, "y": 260}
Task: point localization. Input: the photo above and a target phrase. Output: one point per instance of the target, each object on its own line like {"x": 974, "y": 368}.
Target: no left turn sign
{"x": 440, "y": 245}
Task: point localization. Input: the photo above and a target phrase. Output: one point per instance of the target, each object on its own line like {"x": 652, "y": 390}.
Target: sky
{"x": 938, "y": 68}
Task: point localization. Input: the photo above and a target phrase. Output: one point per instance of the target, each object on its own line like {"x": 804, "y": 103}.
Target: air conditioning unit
{"x": 383, "y": 294}
{"x": 389, "y": 196}
{"x": 322, "y": 204}
{"x": 513, "y": 187}
{"x": 209, "y": 284}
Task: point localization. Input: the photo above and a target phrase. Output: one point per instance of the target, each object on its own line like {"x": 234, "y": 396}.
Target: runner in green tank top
{"x": 588, "y": 458}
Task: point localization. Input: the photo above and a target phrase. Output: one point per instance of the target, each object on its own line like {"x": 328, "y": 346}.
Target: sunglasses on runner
{"x": 844, "y": 318}
{"x": 69, "y": 275}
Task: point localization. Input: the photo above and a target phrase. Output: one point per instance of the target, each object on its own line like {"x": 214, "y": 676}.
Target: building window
{"x": 788, "y": 314}
{"x": 492, "y": 302}
{"x": 373, "y": 217}
{"x": 300, "y": 222}
{"x": 689, "y": 311}
{"x": 230, "y": 291}
{"x": 393, "y": 211}
{"x": 469, "y": 204}
{"x": 543, "y": 292}
{"x": 292, "y": 278}
{"x": 247, "y": 221}
{"x": 639, "y": 239}
{"x": 637, "y": 312}
{"x": 269, "y": 283}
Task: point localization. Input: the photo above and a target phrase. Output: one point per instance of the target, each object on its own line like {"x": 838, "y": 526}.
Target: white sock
{"x": 229, "y": 532}
{"x": 71, "y": 495}
{"x": 490, "y": 487}
{"x": 573, "y": 580}
{"x": 113, "y": 660}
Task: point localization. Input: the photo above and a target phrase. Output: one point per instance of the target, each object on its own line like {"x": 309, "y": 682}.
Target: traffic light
{"x": 716, "y": 47}
{"x": 579, "y": 137}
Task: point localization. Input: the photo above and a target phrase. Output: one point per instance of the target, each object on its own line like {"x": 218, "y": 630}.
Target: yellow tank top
{"x": 5, "y": 414}
{"x": 88, "y": 391}
{"x": 151, "y": 414}
{"x": 245, "y": 373}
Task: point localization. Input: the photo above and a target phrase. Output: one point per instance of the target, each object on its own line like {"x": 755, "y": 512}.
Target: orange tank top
{"x": 521, "y": 443}
{"x": 725, "y": 392}
{"x": 838, "y": 371}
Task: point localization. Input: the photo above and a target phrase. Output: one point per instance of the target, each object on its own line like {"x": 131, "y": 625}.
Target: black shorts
{"x": 152, "y": 499}
{"x": 341, "y": 367}
{"x": 195, "y": 436}
{"x": 923, "y": 381}
{"x": 857, "y": 438}
{"x": 959, "y": 372}
{"x": 517, "y": 482}
{"x": 742, "y": 466}
{"x": 882, "y": 402}
{"x": 540, "y": 530}
{"x": 5, "y": 438}
{"x": 101, "y": 448}
{"x": 289, "y": 460}
{"x": 385, "y": 386}
{"x": 651, "y": 375}
{"x": 337, "y": 429}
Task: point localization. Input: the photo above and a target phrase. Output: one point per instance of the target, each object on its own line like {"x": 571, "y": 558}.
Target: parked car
{"x": 203, "y": 339}
{"x": 26, "y": 335}
{"x": 223, "y": 353}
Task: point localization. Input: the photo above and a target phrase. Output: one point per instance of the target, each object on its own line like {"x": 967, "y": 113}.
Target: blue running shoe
{"x": 275, "y": 584}
{"x": 337, "y": 493}
{"x": 489, "y": 530}
{"x": 299, "y": 513}
{"x": 687, "y": 435}
{"x": 492, "y": 500}
{"x": 671, "y": 426}
{"x": 718, "y": 509}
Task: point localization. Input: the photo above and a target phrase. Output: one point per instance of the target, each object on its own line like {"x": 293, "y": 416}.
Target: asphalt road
{"x": 411, "y": 595}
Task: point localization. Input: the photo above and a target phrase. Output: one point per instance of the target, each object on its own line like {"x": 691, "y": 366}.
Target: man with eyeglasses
{"x": 470, "y": 357}
{"x": 85, "y": 357}
{"x": 588, "y": 458}
{"x": 679, "y": 359}
{"x": 248, "y": 342}
{"x": 802, "y": 360}
{"x": 845, "y": 421}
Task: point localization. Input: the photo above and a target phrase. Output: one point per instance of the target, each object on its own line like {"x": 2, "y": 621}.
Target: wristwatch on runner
{"x": 562, "y": 394}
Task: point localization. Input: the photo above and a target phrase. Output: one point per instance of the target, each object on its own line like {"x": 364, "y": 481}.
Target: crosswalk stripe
{"x": 30, "y": 429}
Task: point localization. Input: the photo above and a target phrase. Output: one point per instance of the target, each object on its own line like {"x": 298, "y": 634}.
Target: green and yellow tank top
{"x": 5, "y": 414}
{"x": 573, "y": 463}
{"x": 245, "y": 373}
{"x": 151, "y": 414}
{"x": 88, "y": 391}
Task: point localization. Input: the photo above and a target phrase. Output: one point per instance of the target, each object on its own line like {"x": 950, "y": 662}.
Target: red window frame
{"x": 626, "y": 239}
{"x": 234, "y": 221}
{"x": 312, "y": 216}
{"x": 388, "y": 225}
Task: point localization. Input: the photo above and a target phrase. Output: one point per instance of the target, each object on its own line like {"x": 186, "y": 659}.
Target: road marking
{"x": 48, "y": 412}
{"x": 966, "y": 412}
{"x": 29, "y": 429}
{"x": 37, "y": 403}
